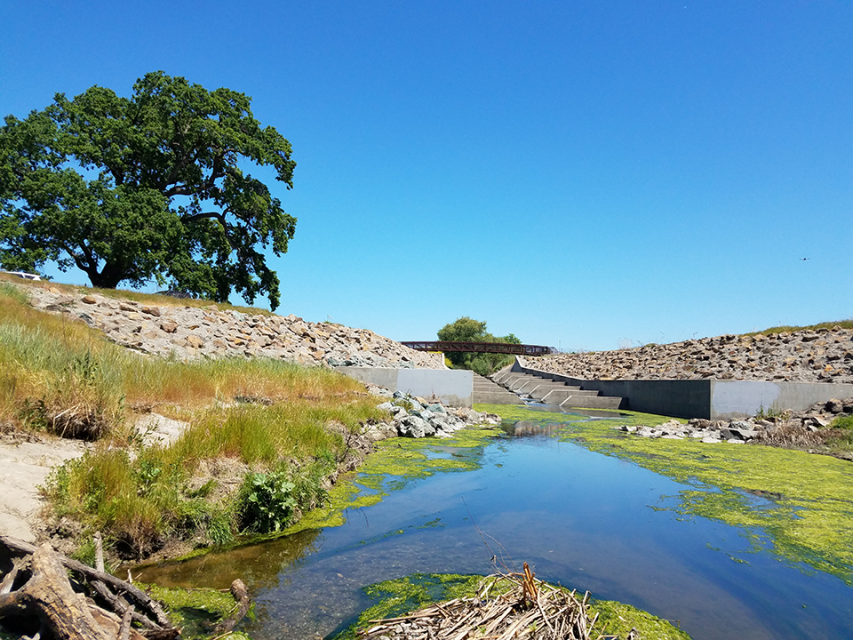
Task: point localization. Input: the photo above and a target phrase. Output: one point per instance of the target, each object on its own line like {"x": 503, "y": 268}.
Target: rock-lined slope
{"x": 825, "y": 355}
{"x": 192, "y": 332}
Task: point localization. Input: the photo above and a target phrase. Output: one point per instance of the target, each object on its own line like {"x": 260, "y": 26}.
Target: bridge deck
{"x": 480, "y": 347}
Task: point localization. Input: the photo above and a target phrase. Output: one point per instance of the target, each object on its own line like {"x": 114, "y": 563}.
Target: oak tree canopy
{"x": 150, "y": 187}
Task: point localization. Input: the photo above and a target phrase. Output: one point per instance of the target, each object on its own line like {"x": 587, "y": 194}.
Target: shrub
{"x": 266, "y": 502}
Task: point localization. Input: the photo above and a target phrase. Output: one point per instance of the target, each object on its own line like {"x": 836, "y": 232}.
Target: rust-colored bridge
{"x": 481, "y": 347}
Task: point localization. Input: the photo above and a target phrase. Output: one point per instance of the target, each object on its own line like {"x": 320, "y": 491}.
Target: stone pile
{"x": 824, "y": 355}
{"x": 418, "y": 418}
{"x": 189, "y": 333}
{"x": 758, "y": 429}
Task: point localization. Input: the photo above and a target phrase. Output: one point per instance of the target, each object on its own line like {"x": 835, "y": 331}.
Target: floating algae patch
{"x": 617, "y": 619}
{"x": 396, "y": 463}
{"x": 403, "y": 595}
{"x": 796, "y": 505}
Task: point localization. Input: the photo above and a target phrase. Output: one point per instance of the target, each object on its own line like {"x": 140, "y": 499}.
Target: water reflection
{"x": 262, "y": 565}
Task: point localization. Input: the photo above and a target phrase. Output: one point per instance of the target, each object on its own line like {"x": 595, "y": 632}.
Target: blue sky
{"x": 581, "y": 174}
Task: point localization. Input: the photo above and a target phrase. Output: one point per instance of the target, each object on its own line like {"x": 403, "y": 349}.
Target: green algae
{"x": 618, "y": 619}
{"x": 194, "y": 611}
{"x": 400, "y": 596}
{"x": 396, "y": 463}
{"x": 792, "y": 504}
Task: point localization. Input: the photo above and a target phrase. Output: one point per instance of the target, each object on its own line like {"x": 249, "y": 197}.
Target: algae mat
{"x": 795, "y": 505}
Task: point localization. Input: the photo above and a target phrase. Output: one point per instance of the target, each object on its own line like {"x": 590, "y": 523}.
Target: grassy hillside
{"x": 844, "y": 324}
{"x": 279, "y": 427}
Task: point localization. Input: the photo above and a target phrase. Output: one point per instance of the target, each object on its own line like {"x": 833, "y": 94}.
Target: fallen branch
{"x": 241, "y": 595}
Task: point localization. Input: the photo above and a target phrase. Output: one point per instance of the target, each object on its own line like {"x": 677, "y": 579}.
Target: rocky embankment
{"x": 419, "y": 418}
{"x": 824, "y": 355}
{"x": 191, "y": 332}
{"x": 802, "y": 430}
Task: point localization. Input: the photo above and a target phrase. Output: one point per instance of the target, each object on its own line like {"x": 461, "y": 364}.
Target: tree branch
{"x": 207, "y": 214}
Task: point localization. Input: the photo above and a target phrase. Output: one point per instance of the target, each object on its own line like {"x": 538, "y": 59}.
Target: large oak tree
{"x": 154, "y": 187}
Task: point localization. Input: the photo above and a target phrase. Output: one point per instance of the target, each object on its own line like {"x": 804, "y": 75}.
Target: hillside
{"x": 166, "y": 326}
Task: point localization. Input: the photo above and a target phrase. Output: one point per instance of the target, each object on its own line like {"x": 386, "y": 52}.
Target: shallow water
{"x": 579, "y": 518}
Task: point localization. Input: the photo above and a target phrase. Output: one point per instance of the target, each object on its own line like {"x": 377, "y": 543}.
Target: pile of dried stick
{"x": 530, "y": 609}
{"x": 37, "y": 598}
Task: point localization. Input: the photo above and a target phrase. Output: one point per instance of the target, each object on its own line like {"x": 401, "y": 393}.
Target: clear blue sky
{"x": 577, "y": 173}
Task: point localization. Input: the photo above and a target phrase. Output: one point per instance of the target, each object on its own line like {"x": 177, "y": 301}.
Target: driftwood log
{"x": 37, "y": 587}
{"x": 241, "y": 595}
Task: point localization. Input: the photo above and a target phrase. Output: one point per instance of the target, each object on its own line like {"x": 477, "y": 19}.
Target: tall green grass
{"x": 141, "y": 502}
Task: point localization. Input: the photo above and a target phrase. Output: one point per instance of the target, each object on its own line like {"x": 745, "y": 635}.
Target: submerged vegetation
{"x": 791, "y": 503}
{"x": 396, "y": 463}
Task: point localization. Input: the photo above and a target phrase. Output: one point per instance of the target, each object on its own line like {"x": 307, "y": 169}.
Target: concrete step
{"x": 558, "y": 396}
{"x": 502, "y": 397}
{"x": 592, "y": 402}
{"x": 544, "y": 389}
{"x": 487, "y": 392}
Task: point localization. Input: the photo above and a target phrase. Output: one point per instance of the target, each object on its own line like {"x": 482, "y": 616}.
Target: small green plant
{"x": 772, "y": 412}
{"x": 842, "y": 422}
{"x": 267, "y": 502}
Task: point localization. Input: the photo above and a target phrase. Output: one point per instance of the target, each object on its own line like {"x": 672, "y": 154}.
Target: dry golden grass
{"x": 59, "y": 374}
{"x": 147, "y": 298}
{"x": 844, "y": 324}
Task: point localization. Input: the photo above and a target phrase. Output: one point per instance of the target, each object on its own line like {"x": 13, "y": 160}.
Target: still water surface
{"x": 579, "y": 518}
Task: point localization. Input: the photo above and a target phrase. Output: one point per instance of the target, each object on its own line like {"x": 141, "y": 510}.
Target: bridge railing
{"x": 479, "y": 347}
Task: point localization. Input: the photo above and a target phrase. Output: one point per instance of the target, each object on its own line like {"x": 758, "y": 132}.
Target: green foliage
{"x": 266, "y": 502}
{"x": 772, "y": 412}
{"x": 194, "y": 611}
{"x": 151, "y": 187}
{"x": 842, "y": 422}
{"x": 467, "y": 329}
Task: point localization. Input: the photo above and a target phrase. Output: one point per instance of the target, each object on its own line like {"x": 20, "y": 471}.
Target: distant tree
{"x": 467, "y": 329}
{"x": 151, "y": 187}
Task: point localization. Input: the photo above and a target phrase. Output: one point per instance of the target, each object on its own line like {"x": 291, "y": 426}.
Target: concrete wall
{"x": 711, "y": 399}
{"x": 454, "y": 387}
{"x": 737, "y": 398}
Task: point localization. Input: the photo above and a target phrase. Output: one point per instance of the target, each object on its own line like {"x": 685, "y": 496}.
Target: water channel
{"x": 579, "y": 517}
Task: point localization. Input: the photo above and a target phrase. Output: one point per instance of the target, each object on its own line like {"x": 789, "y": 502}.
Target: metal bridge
{"x": 480, "y": 347}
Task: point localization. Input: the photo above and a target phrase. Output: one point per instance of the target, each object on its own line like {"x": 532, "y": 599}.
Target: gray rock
{"x": 386, "y": 406}
{"x": 414, "y": 427}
